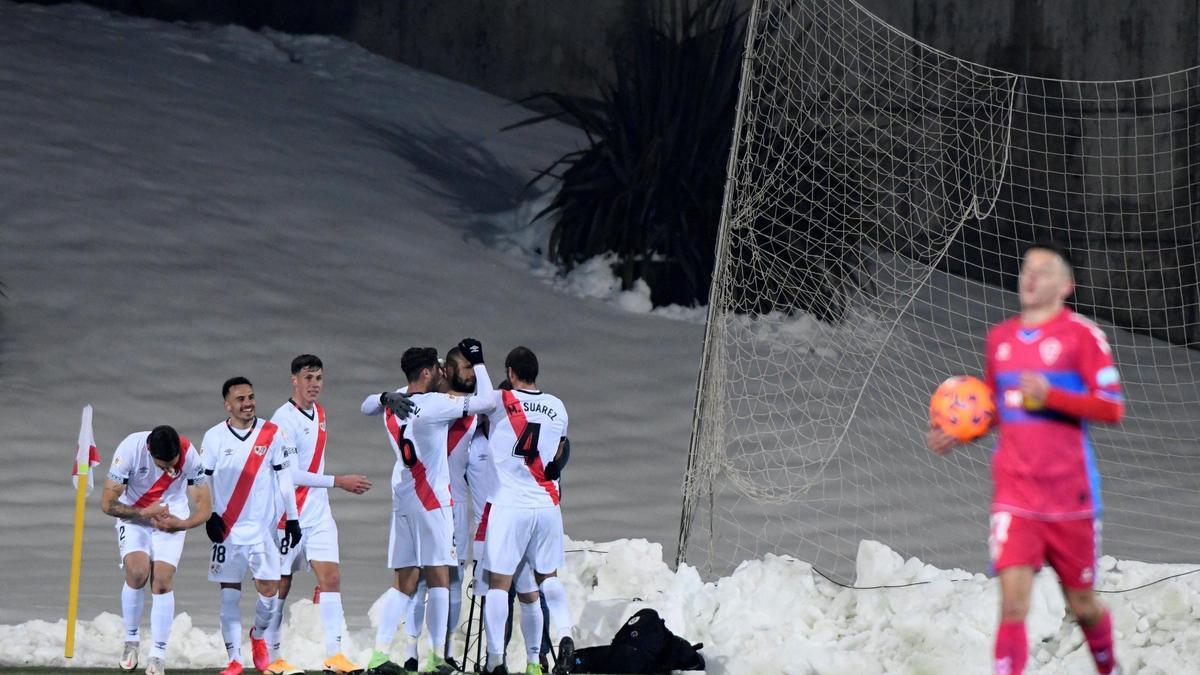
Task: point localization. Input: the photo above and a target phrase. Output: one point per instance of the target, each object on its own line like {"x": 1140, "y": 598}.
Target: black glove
{"x": 553, "y": 469}
{"x": 291, "y": 530}
{"x": 216, "y": 528}
{"x": 472, "y": 349}
{"x": 397, "y": 402}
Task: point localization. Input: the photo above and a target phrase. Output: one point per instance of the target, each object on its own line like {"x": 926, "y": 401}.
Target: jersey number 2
{"x": 527, "y": 445}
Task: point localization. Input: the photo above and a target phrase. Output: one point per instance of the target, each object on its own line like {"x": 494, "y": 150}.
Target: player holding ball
{"x": 1050, "y": 372}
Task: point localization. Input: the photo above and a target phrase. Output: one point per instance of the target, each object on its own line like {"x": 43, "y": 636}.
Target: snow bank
{"x": 775, "y": 615}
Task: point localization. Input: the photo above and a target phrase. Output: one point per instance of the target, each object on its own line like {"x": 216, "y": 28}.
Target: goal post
{"x": 878, "y": 198}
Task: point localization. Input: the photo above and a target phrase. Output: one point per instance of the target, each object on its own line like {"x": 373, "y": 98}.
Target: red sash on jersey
{"x": 458, "y": 429}
{"x": 420, "y": 478}
{"x": 481, "y": 532}
{"x": 516, "y": 417}
{"x": 241, "y": 490}
{"x": 164, "y": 481}
{"x": 318, "y": 453}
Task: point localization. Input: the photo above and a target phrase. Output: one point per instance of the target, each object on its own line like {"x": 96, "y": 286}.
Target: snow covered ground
{"x": 182, "y": 203}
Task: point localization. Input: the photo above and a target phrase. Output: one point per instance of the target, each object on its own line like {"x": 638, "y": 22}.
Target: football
{"x": 962, "y": 406}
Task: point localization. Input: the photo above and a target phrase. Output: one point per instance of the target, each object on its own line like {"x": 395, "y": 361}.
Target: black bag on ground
{"x": 643, "y": 646}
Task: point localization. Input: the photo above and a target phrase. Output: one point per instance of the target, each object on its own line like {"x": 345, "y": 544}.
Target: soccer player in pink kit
{"x": 1051, "y": 372}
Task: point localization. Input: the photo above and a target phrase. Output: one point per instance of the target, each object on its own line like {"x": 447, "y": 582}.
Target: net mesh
{"x": 880, "y": 193}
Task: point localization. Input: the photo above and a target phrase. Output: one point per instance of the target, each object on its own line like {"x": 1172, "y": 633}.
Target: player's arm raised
{"x": 485, "y": 399}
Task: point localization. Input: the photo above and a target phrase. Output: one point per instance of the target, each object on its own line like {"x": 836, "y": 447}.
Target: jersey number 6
{"x": 527, "y": 445}
{"x": 408, "y": 451}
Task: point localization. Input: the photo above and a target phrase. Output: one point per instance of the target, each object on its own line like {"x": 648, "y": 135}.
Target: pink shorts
{"x": 1070, "y": 546}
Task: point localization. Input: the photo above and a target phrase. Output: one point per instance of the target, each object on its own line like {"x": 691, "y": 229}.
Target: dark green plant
{"x": 649, "y": 186}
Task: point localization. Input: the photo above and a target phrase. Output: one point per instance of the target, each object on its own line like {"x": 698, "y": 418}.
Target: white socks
{"x": 231, "y": 622}
{"x": 495, "y": 615}
{"x": 274, "y": 634}
{"x": 436, "y": 610}
{"x": 531, "y": 629}
{"x": 331, "y": 621}
{"x": 556, "y": 602}
{"x": 162, "y": 613}
{"x": 132, "y": 601}
{"x": 262, "y": 614}
{"x": 414, "y": 618}
{"x": 395, "y": 607}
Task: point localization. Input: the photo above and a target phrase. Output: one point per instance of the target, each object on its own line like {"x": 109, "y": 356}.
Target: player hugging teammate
{"x": 260, "y": 489}
{"x": 426, "y": 422}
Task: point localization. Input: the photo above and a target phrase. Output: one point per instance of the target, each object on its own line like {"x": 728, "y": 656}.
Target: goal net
{"x": 880, "y": 193}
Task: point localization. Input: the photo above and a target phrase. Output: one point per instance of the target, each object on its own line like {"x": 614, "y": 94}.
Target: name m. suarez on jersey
{"x": 533, "y": 406}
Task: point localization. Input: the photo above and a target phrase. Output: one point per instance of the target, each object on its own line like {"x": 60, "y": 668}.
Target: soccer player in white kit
{"x": 303, "y": 418}
{"x": 247, "y": 470}
{"x": 458, "y": 377}
{"x": 482, "y": 481}
{"x": 422, "y": 529}
{"x": 145, "y": 491}
{"x": 524, "y": 523}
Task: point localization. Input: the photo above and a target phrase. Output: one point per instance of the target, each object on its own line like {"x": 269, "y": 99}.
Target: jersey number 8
{"x": 527, "y": 445}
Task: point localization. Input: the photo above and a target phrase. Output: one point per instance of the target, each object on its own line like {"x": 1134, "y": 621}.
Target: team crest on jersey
{"x": 1050, "y": 348}
{"x": 260, "y": 450}
{"x": 322, "y": 425}
{"x": 1003, "y": 352}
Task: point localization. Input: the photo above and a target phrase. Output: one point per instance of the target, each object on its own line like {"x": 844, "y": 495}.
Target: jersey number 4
{"x": 527, "y": 445}
{"x": 408, "y": 451}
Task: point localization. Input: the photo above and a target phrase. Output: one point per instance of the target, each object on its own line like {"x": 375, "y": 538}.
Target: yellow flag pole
{"x": 76, "y": 556}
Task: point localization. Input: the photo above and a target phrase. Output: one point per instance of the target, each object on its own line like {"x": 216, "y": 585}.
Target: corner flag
{"x": 86, "y": 454}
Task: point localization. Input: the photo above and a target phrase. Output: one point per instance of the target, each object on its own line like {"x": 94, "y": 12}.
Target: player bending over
{"x": 1051, "y": 372}
{"x": 422, "y": 526}
{"x": 248, "y": 471}
{"x": 145, "y": 492}
{"x": 303, "y": 418}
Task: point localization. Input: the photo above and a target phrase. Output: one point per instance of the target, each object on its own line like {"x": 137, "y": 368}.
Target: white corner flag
{"x": 86, "y": 454}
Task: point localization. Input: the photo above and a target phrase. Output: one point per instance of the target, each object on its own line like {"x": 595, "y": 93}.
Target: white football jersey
{"x": 421, "y": 477}
{"x": 226, "y": 456}
{"x": 146, "y": 484}
{"x": 481, "y": 475}
{"x": 458, "y": 445}
{"x": 526, "y": 427}
{"x": 305, "y": 444}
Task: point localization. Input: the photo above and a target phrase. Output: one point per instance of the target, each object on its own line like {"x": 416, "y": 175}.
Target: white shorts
{"x": 229, "y": 563}
{"x": 479, "y": 521}
{"x": 423, "y": 539}
{"x": 523, "y": 581}
{"x": 463, "y": 534}
{"x": 515, "y": 533}
{"x": 319, "y": 542}
{"x": 164, "y": 547}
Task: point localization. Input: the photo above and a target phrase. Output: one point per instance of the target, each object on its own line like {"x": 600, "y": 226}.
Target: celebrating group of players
{"x": 260, "y": 489}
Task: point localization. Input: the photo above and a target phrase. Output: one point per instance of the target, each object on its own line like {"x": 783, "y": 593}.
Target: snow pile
{"x": 518, "y": 233}
{"x": 774, "y": 615}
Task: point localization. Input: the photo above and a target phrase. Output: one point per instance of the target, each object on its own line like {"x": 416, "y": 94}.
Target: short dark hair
{"x": 233, "y": 382}
{"x": 505, "y": 385}
{"x": 164, "y": 443}
{"x": 455, "y": 353}
{"x": 524, "y": 364}
{"x": 1053, "y": 247}
{"x": 416, "y": 359}
{"x": 306, "y": 361}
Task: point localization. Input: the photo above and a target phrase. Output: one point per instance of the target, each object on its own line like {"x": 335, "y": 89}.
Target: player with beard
{"x": 422, "y": 529}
